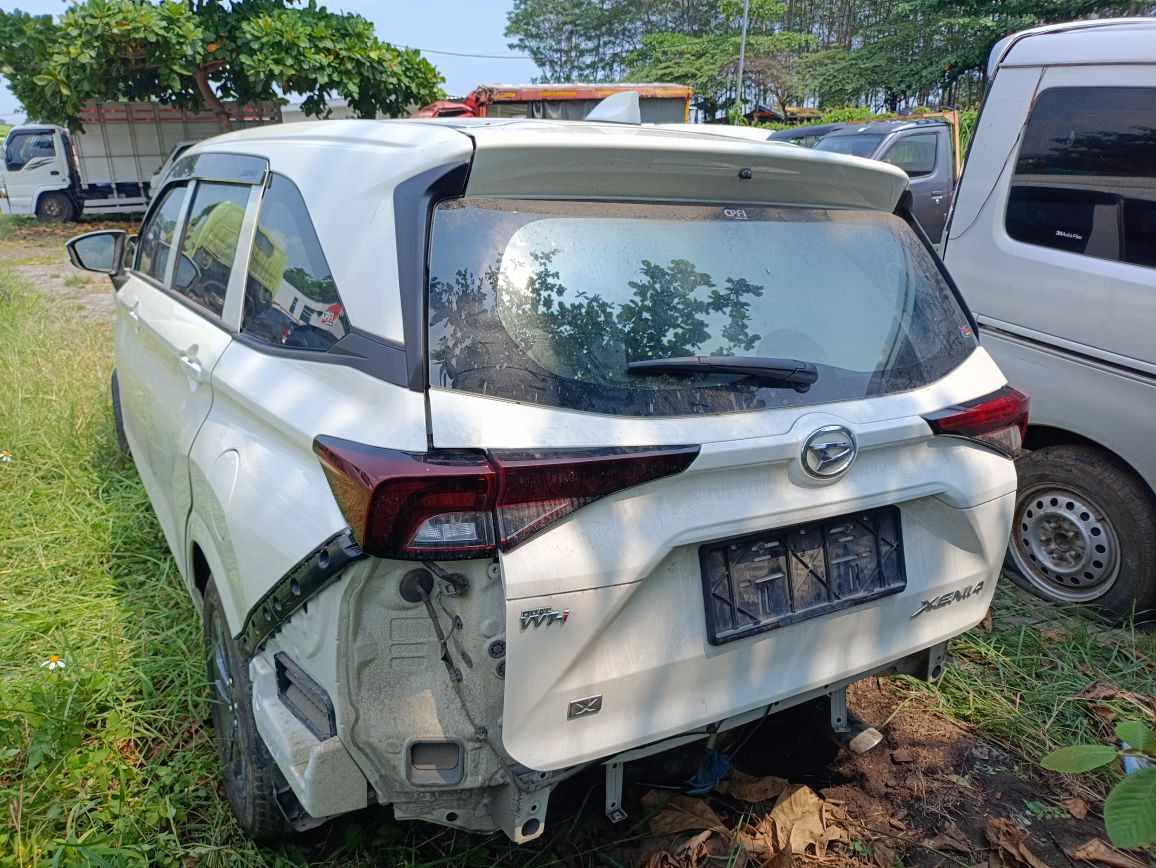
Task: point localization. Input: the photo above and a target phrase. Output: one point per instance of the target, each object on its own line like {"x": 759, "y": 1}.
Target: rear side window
{"x": 291, "y": 299}
{"x": 915, "y": 154}
{"x": 1085, "y": 177}
{"x": 548, "y": 302}
{"x": 209, "y": 247}
{"x": 156, "y": 235}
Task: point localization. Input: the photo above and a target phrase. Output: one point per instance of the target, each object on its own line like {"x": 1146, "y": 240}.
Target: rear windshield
{"x": 856, "y": 146}
{"x": 547, "y": 302}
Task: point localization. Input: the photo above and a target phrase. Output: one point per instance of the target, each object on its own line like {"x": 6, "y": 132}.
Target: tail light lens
{"x": 450, "y": 504}
{"x": 999, "y": 420}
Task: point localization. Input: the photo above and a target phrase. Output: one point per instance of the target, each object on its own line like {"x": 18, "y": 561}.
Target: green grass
{"x": 110, "y": 760}
{"x": 1019, "y": 683}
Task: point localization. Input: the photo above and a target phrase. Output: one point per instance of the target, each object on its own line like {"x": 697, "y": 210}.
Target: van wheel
{"x": 247, "y": 770}
{"x": 1084, "y": 532}
{"x": 117, "y": 416}
{"x": 55, "y": 208}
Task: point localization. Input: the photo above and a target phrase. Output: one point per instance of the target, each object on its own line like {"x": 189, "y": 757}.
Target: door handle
{"x": 54, "y": 172}
{"x": 192, "y": 368}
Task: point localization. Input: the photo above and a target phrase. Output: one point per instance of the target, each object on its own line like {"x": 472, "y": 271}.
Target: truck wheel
{"x": 1084, "y": 532}
{"x": 55, "y": 208}
{"x": 247, "y": 770}
{"x": 117, "y": 416}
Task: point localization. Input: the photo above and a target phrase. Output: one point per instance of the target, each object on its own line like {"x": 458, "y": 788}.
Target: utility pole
{"x": 742, "y": 58}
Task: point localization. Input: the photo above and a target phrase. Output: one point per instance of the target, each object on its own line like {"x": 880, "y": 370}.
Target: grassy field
{"x": 108, "y": 760}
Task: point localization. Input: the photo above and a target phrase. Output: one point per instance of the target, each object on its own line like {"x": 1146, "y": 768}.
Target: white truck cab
{"x": 1053, "y": 244}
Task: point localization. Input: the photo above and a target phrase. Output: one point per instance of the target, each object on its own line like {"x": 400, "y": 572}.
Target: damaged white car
{"x": 494, "y": 450}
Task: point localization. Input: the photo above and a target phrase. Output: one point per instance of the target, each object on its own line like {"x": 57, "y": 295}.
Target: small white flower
{"x": 53, "y": 662}
{"x": 5, "y": 455}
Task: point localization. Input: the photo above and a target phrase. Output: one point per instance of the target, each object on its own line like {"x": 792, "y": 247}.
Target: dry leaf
{"x": 681, "y": 814}
{"x": 697, "y": 852}
{"x": 1102, "y": 691}
{"x": 748, "y": 788}
{"x": 986, "y": 622}
{"x": 798, "y": 816}
{"x": 902, "y": 756}
{"x": 1005, "y": 838}
{"x": 662, "y": 859}
{"x": 1099, "y": 851}
{"x": 949, "y": 838}
{"x": 1078, "y": 808}
{"x": 883, "y": 854}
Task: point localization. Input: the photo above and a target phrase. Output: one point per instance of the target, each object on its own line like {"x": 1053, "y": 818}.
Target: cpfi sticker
{"x": 543, "y": 617}
{"x": 947, "y": 599}
{"x": 735, "y": 213}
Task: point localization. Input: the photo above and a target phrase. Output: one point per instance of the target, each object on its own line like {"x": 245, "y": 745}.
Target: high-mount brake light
{"x": 999, "y": 420}
{"x": 463, "y": 504}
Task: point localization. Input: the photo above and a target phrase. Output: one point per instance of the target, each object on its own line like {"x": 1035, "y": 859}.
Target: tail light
{"x": 999, "y": 420}
{"x": 462, "y": 504}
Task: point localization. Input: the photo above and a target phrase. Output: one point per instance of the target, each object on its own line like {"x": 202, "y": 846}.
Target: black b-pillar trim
{"x": 413, "y": 204}
{"x": 305, "y": 580}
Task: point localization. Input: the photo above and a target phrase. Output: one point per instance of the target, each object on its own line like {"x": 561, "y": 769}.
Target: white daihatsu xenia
{"x": 493, "y": 450}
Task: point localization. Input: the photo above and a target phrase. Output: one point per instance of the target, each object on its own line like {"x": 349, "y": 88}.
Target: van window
{"x": 915, "y": 154}
{"x": 156, "y": 235}
{"x": 210, "y": 244}
{"x": 548, "y": 302}
{"x": 1085, "y": 177}
{"x": 291, "y": 299}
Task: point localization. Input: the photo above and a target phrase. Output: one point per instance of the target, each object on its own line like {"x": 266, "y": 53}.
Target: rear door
{"x": 794, "y": 548}
{"x": 924, "y": 155}
{"x": 171, "y": 331}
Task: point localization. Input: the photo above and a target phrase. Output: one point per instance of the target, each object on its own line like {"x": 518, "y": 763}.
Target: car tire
{"x": 117, "y": 416}
{"x": 1084, "y": 532}
{"x": 55, "y": 208}
{"x": 249, "y": 775}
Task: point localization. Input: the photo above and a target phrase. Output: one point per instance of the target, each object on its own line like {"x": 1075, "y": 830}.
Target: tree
{"x": 198, "y": 53}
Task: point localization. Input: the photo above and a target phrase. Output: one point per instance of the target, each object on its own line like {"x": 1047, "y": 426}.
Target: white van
{"x": 1053, "y": 243}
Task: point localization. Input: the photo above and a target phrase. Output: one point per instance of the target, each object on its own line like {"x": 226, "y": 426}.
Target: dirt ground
{"x": 932, "y": 794}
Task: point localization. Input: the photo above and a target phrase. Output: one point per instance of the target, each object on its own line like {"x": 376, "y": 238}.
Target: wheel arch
{"x": 205, "y": 562}
{"x": 64, "y": 191}
{"x": 1039, "y": 436}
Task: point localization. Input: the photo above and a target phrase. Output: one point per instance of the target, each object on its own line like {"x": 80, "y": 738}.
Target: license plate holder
{"x": 766, "y": 580}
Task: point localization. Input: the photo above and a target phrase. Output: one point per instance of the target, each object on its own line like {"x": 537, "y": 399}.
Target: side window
{"x": 22, "y": 148}
{"x": 209, "y": 245}
{"x": 156, "y": 235}
{"x": 291, "y": 299}
{"x": 1085, "y": 177}
{"x": 914, "y": 154}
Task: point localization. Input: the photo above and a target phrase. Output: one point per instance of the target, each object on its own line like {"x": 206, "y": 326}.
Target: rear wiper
{"x": 767, "y": 371}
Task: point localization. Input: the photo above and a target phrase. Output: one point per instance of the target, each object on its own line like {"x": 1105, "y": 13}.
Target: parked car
{"x": 1053, "y": 243}
{"x": 921, "y": 148}
{"x": 808, "y": 136}
{"x": 618, "y": 438}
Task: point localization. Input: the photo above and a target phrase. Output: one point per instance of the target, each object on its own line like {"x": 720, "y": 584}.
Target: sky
{"x": 443, "y": 29}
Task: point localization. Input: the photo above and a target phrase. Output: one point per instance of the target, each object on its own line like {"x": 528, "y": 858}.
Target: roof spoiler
{"x": 618, "y": 108}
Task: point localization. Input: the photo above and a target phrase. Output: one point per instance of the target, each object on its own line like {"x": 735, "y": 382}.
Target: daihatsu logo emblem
{"x": 829, "y": 452}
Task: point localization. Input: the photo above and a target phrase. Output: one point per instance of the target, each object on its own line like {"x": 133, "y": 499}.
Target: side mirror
{"x": 102, "y": 252}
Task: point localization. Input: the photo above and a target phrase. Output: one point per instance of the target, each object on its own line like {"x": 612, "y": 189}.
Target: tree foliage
{"x": 196, "y": 54}
{"x": 886, "y": 54}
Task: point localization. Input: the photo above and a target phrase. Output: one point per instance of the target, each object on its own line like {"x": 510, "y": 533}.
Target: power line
{"x": 466, "y": 54}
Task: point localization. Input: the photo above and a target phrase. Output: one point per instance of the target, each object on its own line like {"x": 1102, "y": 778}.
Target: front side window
{"x": 156, "y": 235}
{"x": 549, "y": 302}
{"x": 23, "y": 148}
{"x": 291, "y": 299}
{"x": 915, "y": 154}
{"x": 1085, "y": 176}
{"x": 209, "y": 246}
